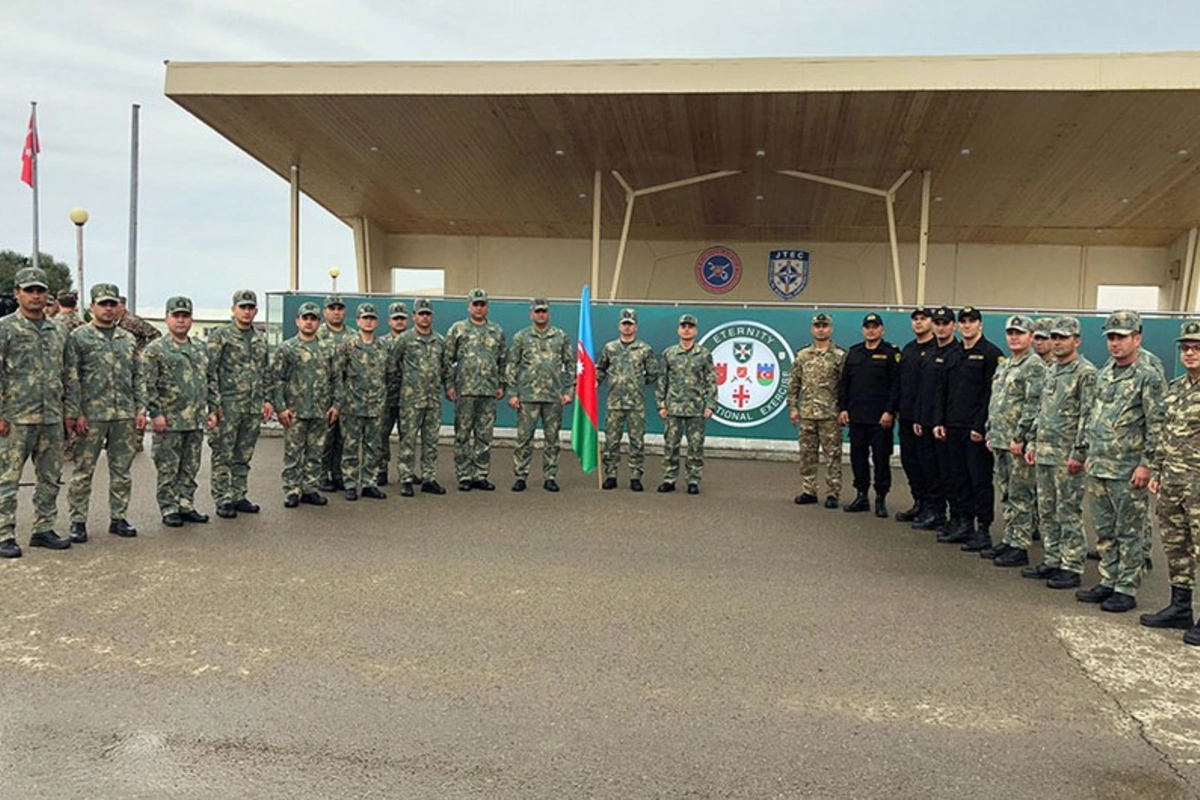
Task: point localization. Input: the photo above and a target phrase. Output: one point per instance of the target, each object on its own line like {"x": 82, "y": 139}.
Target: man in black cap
{"x": 913, "y": 359}
{"x": 868, "y": 395}
{"x": 963, "y": 423}
{"x": 933, "y": 455}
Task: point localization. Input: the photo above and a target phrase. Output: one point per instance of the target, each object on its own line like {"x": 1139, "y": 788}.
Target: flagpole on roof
{"x": 131, "y": 279}
{"x": 34, "y": 162}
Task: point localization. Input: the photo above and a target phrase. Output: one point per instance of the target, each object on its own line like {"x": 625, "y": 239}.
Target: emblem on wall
{"x": 752, "y": 363}
{"x": 718, "y": 270}
{"x": 787, "y": 272}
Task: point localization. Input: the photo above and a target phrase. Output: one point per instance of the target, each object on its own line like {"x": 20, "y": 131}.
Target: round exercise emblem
{"x": 752, "y": 363}
{"x": 718, "y": 270}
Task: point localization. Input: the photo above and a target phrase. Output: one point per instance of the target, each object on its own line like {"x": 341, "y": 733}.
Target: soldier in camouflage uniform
{"x": 68, "y": 311}
{"x": 307, "y": 384}
{"x": 1012, "y": 411}
{"x": 1122, "y": 437}
{"x": 686, "y": 397}
{"x": 112, "y": 402}
{"x": 420, "y": 368}
{"x": 239, "y": 366}
{"x": 1043, "y": 343}
{"x": 337, "y": 334}
{"x": 1176, "y": 481}
{"x": 813, "y": 407}
{"x": 629, "y": 365}
{"x": 364, "y": 392}
{"x": 475, "y": 359}
{"x": 1057, "y": 454}
{"x": 37, "y": 395}
{"x": 541, "y": 373}
{"x": 180, "y": 402}
{"x": 398, "y": 322}
{"x": 143, "y": 334}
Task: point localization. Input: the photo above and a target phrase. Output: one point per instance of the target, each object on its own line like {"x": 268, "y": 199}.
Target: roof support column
{"x": 923, "y": 242}
{"x": 595, "y": 233}
{"x": 294, "y": 233}
{"x": 1189, "y": 296}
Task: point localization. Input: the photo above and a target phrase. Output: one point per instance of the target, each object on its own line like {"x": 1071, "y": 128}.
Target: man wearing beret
{"x": 541, "y": 380}
{"x": 813, "y": 408}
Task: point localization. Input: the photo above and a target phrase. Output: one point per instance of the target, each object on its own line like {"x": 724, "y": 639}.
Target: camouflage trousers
{"x": 819, "y": 436}
{"x": 232, "y": 444}
{"x": 474, "y": 422}
{"x": 115, "y": 438}
{"x": 1179, "y": 526}
{"x": 43, "y": 444}
{"x": 177, "y": 459}
{"x": 674, "y": 429}
{"x": 423, "y": 424}
{"x": 1060, "y": 507}
{"x": 616, "y": 422}
{"x": 360, "y": 451}
{"x": 1121, "y": 516}
{"x": 392, "y": 421}
{"x": 527, "y": 419}
{"x": 303, "y": 449}
{"x": 331, "y": 459}
{"x": 1015, "y": 486}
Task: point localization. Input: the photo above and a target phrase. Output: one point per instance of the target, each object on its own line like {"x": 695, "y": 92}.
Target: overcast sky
{"x": 213, "y": 220}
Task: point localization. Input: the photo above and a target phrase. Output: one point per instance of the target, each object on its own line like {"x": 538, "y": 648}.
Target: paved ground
{"x": 585, "y": 644}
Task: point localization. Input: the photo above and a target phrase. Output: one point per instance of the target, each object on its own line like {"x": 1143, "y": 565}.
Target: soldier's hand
{"x": 976, "y": 437}
{"x": 81, "y": 426}
{"x": 499, "y": 393}
{"x": 708, "y": 413}
{"x": 285, "y": 418}
{"x": 139, "y": 423}
{"x": 662, "y": 413}
{"x": 332, "y": 415}
{"x": 160, "y": 424}
{"x": 451, "y": 395}
{"x": 1074, "y": 467}
{"x": 213, "y": 419}
{"x": 843, "y": 418}
{"x": 917, "y": 429}
{"x": 1016, "y": 448}
{"x": 1141, "y": 477}
{"x": 1153, "y": 486}
{"x": 939, "y": 432}
{"x": 513, "y": 402}
{"x": 566, "y": 399}
{"x": 268, "y": 411}
{"x": 3, "y": 427}
{"x": 885, "y": 421}
{"x": 70, "y": 425}
{"x": 794, "y": 416}
{"x": 1030, "y": 459}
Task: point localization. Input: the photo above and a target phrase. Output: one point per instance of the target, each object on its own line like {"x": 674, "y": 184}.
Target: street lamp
{"x": 333, "y": 275}
{"x": 79, "y": 216}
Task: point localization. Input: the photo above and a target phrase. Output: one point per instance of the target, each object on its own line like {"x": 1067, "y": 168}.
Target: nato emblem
{"x": 787, "y": 272}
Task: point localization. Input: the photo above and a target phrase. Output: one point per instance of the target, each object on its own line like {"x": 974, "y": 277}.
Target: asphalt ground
{"x": 579, "y": 644}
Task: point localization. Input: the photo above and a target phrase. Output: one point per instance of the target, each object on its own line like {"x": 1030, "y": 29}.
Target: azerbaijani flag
{"x": 585, "y": 425}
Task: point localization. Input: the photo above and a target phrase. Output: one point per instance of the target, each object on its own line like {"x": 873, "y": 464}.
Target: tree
{"x": 58, "y": 274}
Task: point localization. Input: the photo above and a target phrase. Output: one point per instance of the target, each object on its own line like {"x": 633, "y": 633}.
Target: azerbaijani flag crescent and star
{"x": 585, "y": 425}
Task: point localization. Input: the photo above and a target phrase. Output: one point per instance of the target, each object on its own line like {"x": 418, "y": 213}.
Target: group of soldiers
{"x": 1036, "y": 423}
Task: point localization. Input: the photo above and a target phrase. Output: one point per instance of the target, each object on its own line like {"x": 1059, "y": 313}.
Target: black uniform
{"x": 869, "y": 388}
{"x": 965, "y": 395}
{"x": 933, "y": 451}
{"x": 912, "y": 363}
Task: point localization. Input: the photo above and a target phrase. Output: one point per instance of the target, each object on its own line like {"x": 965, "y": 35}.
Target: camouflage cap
{"x": 398, "y": 310}
{"x": 334, "y": 300}
{"x": 179, "y": 305}
{"x": 1065, "y": 326}
{"x": 921, "y": 311}
{"x": 421, "y": 304}
{"x": 539, "y": 304}
{"x": 367, "y": 310}
{"x": 245, "y": 297}
{"x": 1123, "y": 322}
{"x": 872, "y": 319}
{"x": 30, "y": 276}
{"x": 309, "y": 309}
{"x": 628, "y": 315}
{"x": 477, "y": 295}
{"x": 969, "y": 312}
{"x": 1019, "y": 322}
{"x": 688, "y": 319}
{"x": 1041, "y": 328}
{"x": 822, "y": 318}
{"x": 942, "y": 314}
{"x": 105, "y": 291}
{"x": 68, "y": 294}
{"x": 1189, "y": 332}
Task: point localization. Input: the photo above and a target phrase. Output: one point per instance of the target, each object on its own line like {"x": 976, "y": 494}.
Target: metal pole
{"x": 891, "y": 215}
{"x": 595, "y": 233}
{"x": 34, "y": 164}
{"x": 923, "y": 245}
{"x": 857, "y": 187}
{"x": 131, "y": 276}
{"x": 294, "y": 238}
{"x": 79, "y": 256}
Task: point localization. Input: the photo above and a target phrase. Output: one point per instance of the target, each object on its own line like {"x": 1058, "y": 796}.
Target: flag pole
{"x": 131, "y": 278}
{"x": 34, "y": 163}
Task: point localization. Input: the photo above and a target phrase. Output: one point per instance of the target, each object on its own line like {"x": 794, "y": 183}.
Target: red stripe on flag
{"x": 32, "y": 147}
{"x": 585, "y": 386}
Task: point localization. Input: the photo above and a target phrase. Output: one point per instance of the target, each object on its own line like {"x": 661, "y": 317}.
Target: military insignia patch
{"x": 787, "y": 272}
{"x": 718, "y": 270}
{"x": 752, "y": 363}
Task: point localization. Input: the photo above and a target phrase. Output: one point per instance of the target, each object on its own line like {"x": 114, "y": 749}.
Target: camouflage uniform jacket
{"x": 306, "y": 378}
{"x": 239, "y": 366}
{"x": 36, "y": 385}
{"x": 629, "y": 369}
{"x": 813, "y": 384}
{"x": 364, "y": 377}
{"x": 108, "y": 370}
{"x": 343, "y": 336}
{"x": 143, "y": 332}
{"x": 1016, "y": 398}
{"x": 1067, "y": 393}
{"x": 687, "y": 385}
{"x": 420, "y": 369}
{"x": 1125, "y": 421}
{"x": 177, "y": 384}
{"x": 69, "y": 320}
{"x": 1178, "y": 456}
{"x": 475, "y": 358}
{"x": 393, "y": 385}
{"x": 541, "y": 365}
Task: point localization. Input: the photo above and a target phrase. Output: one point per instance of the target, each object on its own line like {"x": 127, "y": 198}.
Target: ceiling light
{"x": 760, "y": 154}
{"x": 966, "y": 151}
{"x": 374, "y": 149}
{"x": 937, "y": 199}
{"x": 1183, "y": 151}
{"x": 759, "y": 197}
{"x": 560, "y": 152}
{"x": 583, "y": 195}
{"x": 1124, "y": 201}
{"x": 417, "y": 190}
{"x": 1099, "y": 230}
{"x": 452, "y": 222}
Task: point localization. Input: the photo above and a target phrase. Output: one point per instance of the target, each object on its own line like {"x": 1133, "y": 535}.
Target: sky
{"x": 212, "y": 220}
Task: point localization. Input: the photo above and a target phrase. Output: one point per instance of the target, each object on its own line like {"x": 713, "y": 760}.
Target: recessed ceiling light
{"x": 417, "y": 190}
{"x": 452, "y": 222}
{"x": 374, "y": 149}
{"x": 760, "y": 154}
{"x": 1124, "y": 201}
{"x": 582, "y": 195}
{"x": 1099, "y": 230}
{"x": 937, "y": 199}
{"x": 966, "y": 151}
{"x": 1183, "y": 151}
{"x": 759, "y": 197}
{"x": 560, "y": 152}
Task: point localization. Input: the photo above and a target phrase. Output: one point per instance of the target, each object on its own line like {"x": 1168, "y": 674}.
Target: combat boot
{"x": 1176, "y": 615}
{"x": 881, "y": 510}
{"x": 859, "y": 504}
{"x": 912, "y": 513}
{"x": 980, "y": 540}
{"x": 1192, "y": 637}
{"x": 930, "y": 520}
{"x": 960, "y": 530}
{"x": 1012, "y": 557}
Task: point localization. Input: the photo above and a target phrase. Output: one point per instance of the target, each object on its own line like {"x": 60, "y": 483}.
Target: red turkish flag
{"x": 32, "y": 148}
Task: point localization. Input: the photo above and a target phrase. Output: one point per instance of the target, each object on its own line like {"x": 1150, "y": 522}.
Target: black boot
{"x": 929, "y": 520}
{"x": 959, "y": 531}
{"x": 881, "y": 505}
{"x": 1192, "y": 636}
{"x": 1176, "y": 615}
{"x": 860, "y": 503}
{"x": 912, "y": 513}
